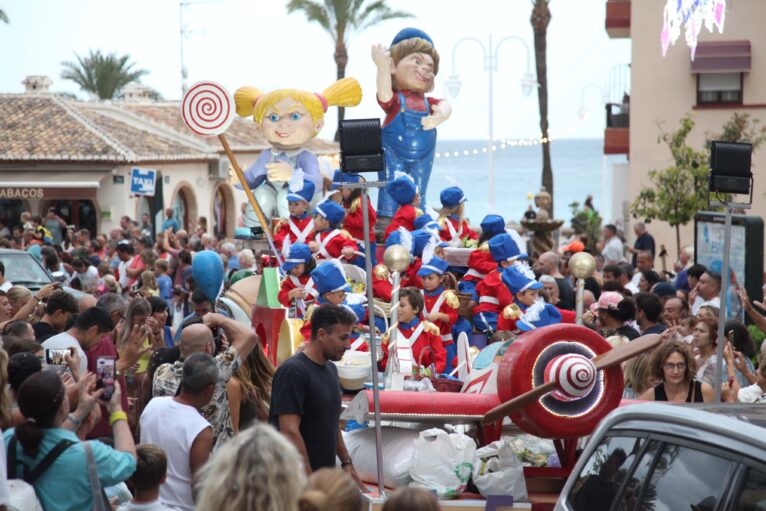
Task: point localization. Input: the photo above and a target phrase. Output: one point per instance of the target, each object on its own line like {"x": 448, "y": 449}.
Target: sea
{"x": 577, "y": 172}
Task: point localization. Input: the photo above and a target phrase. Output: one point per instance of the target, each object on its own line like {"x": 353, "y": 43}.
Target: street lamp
{"x": 583, "y": 112}
{"x": 528, "y": 84}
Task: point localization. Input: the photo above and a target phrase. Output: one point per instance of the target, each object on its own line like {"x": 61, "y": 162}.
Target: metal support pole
{"x": 722, "y": 311}
{"x": 490, "y": 153}
{"x": 395, "y": 297}
{"x": 579, "y": 297}
{"x": 373, "y": 347}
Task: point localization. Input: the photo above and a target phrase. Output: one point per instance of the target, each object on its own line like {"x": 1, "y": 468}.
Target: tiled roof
{"x": 45, "y": 127}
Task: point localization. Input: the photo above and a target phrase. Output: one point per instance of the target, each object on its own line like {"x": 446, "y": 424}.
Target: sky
{"x": 255, "y": 42}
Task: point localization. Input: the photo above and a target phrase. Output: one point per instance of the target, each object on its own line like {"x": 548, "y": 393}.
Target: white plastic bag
{"x": 397, "y": 454}
{"x": 442, "y": 462}
{"x": 498, "y": 471}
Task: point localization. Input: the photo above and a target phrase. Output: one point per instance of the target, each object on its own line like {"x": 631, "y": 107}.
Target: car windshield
{"x": 24, "y": 270}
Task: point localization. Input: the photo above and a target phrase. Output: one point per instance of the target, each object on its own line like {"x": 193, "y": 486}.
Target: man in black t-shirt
{"x": 305, "y": 394}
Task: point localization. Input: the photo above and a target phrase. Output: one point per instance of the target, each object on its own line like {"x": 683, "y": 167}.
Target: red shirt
{"x": 449, "y": 305}
{"x": 437, "y": 355}
{"x": 354, "y": 221}
{"x": 413, "y": 100}
{"x": 381, "y": 285}
{"x": 410, "y": 277}
{"x": 288, "y": 227}
{"x": 334, "y": 247}
{"x": 404, "y": 217}
{"x": 106, "y": 348}
{"x": 493, "y": 294}
{"x": 480, "y": 264}
{"x": 289, "y": 283}
{"x": 462, "y": 230}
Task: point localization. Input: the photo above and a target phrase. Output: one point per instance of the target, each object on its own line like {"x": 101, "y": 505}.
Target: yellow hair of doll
{"x": 251, "y": 101}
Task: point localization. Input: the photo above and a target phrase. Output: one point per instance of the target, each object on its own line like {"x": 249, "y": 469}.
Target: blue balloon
{"x": 207, "y": 269}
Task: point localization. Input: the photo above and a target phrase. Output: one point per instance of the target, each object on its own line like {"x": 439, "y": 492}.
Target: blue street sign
{"x": 142, "y": 181}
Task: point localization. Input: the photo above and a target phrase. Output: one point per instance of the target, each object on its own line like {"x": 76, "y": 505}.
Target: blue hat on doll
{"x": 409, "y": 33}
{"x": 493, "y": 224}
{"x": 297, "y": 253}
{"x": 341, "y": 178}
{"x": 503, "y": 248}
{"x": 329, "y": 277}
{"x": 518, "y": 279}
{"x": 330, "y": 210}
{"x": 452, "y": 196}
{"x": 402, "y": 189}
{"x": 539, "y": 315}
{"x": 436, "y": 265}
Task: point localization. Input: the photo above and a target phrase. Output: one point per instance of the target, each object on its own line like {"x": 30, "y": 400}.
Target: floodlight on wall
{"x": 361, "y": 146}
{"x": 730, "y": 164}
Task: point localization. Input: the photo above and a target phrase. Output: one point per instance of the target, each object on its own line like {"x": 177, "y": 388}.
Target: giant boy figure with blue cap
{"x": 406, "y": 73}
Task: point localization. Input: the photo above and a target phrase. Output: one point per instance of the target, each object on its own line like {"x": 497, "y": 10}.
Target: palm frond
{"x": 102, "y": 75}
{"x": 313, "y": 11}
{"x": 3, "y": 16}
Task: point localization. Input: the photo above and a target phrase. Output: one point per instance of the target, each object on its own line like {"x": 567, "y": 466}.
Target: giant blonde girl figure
{"x": 288, "y": 119}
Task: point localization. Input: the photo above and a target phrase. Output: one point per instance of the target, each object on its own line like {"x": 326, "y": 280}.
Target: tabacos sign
{"x": 22, "y": 193}
{"x": 142, "y": 181}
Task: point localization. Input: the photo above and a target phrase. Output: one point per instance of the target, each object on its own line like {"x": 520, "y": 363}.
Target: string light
{"x": 503, "y": 144}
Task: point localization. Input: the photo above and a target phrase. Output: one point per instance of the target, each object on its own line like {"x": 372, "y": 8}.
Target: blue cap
{"x": 493, "y": 224}
{"x": 357, "y": 309}
{"x": 452, "y": 196}
{"x": 340, "y": 178}
{"x": 299, "y": 253}
{"x": 503, "y": 248}
{"x": 331, "y": 210}
{"x": 409, "y": 33}
{"x": 402, "y": 189}
{"x": 550, "y": 315}
{"x": 420, "y": 238}
{"x": 305, "y": 194}
{"x": 436, "y": 265}
{"x": 425, "y": 221}
{"x": 329, "y": 277}
{"x": 516, "y": 281}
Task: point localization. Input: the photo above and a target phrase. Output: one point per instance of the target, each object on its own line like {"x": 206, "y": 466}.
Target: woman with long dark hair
{"x": 65, "y": 484}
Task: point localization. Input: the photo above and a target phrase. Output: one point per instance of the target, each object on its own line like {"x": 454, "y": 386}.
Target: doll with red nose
{"x": 406, "y": 72}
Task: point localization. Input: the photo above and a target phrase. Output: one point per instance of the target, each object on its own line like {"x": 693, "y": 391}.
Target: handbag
{"x": 100, "y": 500}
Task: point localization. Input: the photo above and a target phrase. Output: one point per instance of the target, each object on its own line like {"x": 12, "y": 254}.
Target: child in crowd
{"x": 351, "y": 200}
{"x": 454, "y": 228}
{"x": 413, "y": 340}
{"x": 299, "y": 226}
{"x": 330, "y": 242}
{"x": 297, "y": 283}
{"x": 480, "y": 262}
{"x": 528, "y": 311}
{"x": 440, "y": 305}
{"x": 150, "y": 474}
{"x": 493, "y": 295}
{"x": 164, "y": 282}
{"x": 405, "y": 193}
{"x": 149, "y": 285}
{"x": 331, "y": 286}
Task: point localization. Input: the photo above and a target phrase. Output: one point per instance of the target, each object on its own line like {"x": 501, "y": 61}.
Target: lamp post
{"x": 528, "y": 84}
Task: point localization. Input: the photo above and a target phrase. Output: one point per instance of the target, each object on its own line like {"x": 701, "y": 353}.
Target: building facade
{"x": 78, "y": 157}
{"x": 728, "y": 75}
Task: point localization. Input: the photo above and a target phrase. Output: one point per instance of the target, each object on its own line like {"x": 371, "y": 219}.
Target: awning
{"x": 722, "y": 57}
{"x": 23, "y": 185}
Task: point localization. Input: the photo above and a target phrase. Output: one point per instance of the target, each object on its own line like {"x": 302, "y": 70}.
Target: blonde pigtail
{"x": 244, "y": 100}
{"x": 344, "y": 92}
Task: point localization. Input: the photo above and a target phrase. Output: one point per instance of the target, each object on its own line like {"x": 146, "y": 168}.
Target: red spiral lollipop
{"x": 207, "y": 108}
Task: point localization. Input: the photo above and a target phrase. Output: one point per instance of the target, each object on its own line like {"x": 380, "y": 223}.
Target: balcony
{"x": 618, "y": 18}
{"x": 617, "y": 133}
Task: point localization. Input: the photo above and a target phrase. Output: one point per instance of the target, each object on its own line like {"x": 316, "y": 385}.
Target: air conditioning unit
{"x": 218, "y": 170}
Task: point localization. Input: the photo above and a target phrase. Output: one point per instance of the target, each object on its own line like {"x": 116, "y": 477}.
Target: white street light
{"x": 528, "y": 84}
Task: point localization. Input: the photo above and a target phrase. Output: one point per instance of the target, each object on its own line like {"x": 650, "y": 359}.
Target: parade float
{"x": 554, "y": 382}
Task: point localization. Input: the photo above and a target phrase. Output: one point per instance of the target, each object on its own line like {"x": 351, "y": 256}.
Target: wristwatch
{"x": 346, "y": 462}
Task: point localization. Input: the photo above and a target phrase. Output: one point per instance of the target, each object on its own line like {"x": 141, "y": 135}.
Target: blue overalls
{"x": 409, "y": 149}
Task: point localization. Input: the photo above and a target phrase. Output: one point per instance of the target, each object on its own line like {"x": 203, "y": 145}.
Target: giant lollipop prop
{"x": 208, "y": 109}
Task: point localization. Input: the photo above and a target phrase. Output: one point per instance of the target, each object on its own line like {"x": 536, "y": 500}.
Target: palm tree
{"x": 340, "y": 19}
{"x": 102, "y": 75}
{"x": 541, "y": 17}
{"x": 3, "y": 16}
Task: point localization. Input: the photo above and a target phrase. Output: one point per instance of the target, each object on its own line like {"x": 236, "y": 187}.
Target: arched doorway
{"x": 185, "y": 206}
{"x": 223, "y": 214}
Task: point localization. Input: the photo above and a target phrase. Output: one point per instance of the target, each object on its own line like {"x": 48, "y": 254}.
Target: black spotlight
{"x": 361, "y": 146}
{"x": 730, "y": 167}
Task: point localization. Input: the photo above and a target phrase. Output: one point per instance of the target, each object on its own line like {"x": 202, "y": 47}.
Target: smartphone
{"x": 57, "y": 356}
{"x": 105, "y": 376}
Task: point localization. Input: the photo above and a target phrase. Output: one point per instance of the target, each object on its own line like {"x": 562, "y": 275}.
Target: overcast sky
{"x": 255, "y": 42}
